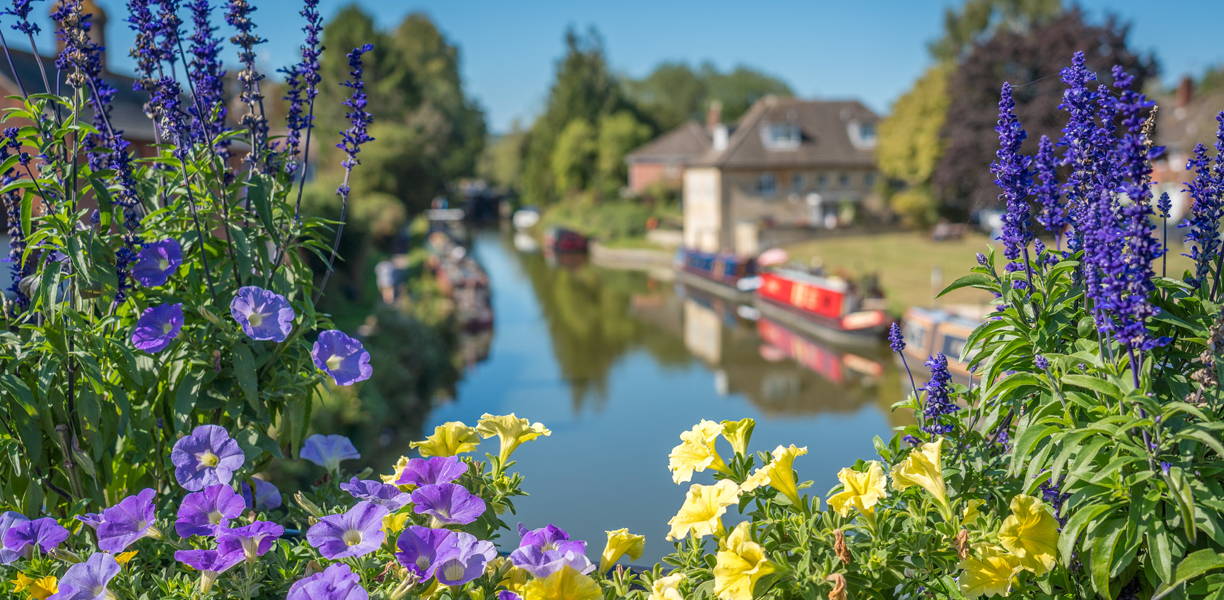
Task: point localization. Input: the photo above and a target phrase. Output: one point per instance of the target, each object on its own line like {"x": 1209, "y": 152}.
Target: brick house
{"x": 787, "y": 163}
{"x": 665, "y": 158}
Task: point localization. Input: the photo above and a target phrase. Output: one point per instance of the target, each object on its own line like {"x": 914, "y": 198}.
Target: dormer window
{"x": 781, "y": 136}
{"x": 862, "y": 135}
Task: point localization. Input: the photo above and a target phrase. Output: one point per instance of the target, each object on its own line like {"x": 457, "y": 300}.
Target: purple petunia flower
{"x": 420, "y": 548}
{"x": 93, "y": 520}
{"x": 252, "y": 540}
{"x": 157, "y": 326}
{"x": 438, "y": 469}
{"x": 342, "y": 357}
{"x": 210, "y": 564}
{"x": 337, "y": 582}
{"x": 45, "y": 533}
{"x": 263, "y": 315}
{"x": 88, "y": 580}
{"x": 267, "y": 496}
{"x": 550, "y": 537}
{"x": 206, "y": 457}
{"x": 508, "y": 595}
{"x": 208, "y": 512}
{"x": 128, "y": 521}
{"x": 328, "y": 451}
{"x": 448, "y": 503}
{"x": 7, "y": 521}
{"x": 542, "y": 563}
{"x": 157, "y": 262}
{"x": 465, "y": 560}
{"x": 377, "y": 492}
{"x": 355, "y": 533}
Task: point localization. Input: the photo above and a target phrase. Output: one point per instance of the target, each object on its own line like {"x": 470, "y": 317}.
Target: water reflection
{"x": 618, "y": 363}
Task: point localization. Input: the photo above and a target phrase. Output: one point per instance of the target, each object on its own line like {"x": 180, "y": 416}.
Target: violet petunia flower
{"x": 210, "y": 564}
{"x": 252, "y": 540}
{"x": 355, "y": 533}
{"x": 542, "y": 563}
{"x": 157, "y": 326}
{"x": 263, "y": 315}
{"x": 125, "y": 523}
{"x": 465, "y": 560}
{"x": 508, "y": 595}
{"x": 93, "y": 520}
{"x": 550, "y": 537}
{"x": 328, "y": 451}
{"x": 420, "y": 548}
{"x": 448, "y": 503}
{"x": 208, "y": 512}
{"x": 342, "y": 357}
{"x": 336, "y": 582}
{"x": 377, "y": 492}
{"x": 45, "y": 533}
{"x": 438, "y": 469}
{"x": 157, "y": 262}
{"x": 7, "y": 521}
{"x": 88, "y": 580}
{"x": 267, "y": 495}
{"x": 206, "y": 457}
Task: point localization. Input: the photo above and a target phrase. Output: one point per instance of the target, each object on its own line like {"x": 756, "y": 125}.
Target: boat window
{"x": 953, "y": 347}
{"x": 915, "y": 336}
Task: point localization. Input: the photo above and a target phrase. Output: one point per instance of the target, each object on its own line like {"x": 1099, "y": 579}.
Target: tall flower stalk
{"x": 1014, "y": 177}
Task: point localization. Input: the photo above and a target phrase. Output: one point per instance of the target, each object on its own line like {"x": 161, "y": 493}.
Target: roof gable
{"x": 826, "y": 130}
{"x": 682, "y": 144}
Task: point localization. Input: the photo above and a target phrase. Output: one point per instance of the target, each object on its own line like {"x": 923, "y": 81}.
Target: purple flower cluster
{"x": 266, "y": 497}
{"x": 239, "y": 17}
{"x": 1052, "y": 494}
{"x": 156, "y": 262}
{"x": 303, "y": 80}
{"x": 21, "y": 9}
{"x": 208, "y": 511}
{"x": 453, "y": 557}
{"x": 896, "y": 341}
{"x": 1207, "y": 190}
{"x": 377, "y": 492}
{"x": 546, "y": 550}
{"x": 938, "y": 400}
{"x": 207, "y": 76}
{"x": 1014, "y": 177}
{"x": 88, "y": 580}
{"x": 448, "y": 503}
{"x": 357, "y": 133}
{"x": 44, "y": 534}
{"x": 1053, "y": 214}
{"x": 336, "y": 582}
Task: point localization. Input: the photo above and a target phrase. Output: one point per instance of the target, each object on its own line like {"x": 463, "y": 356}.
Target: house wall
{"x": 791, "y": 205}
{"x": 703, "y": 210}
{"x": 643, "y": 174}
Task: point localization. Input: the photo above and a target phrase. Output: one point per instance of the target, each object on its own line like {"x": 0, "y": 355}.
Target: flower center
{"x": 352, "y": 537}
{"x": 548, "y": 546}
{"x": 167, "y": 327}
{"x": 453, "y": 570}
{"x": 255, "y": 319}
{"x": 208, "y": 459}
{"x": 422, "y": 562}
{"x": 163, "y": 264}
{"x": 215, "y": 517}
{"x": 333, "y": 363}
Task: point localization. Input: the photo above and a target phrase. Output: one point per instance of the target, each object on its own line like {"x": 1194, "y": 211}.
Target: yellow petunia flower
{"x": 782, "y": 471}
{"x": 620, "y": 543}
{"x": 1031, "y": 534}
{"x": 514, "y": 578}
{"x": 738, "y": 433}
{"x": 696, "y": 452}
{"x": 741, "y": 563}
{"x": 971, "y": 511}
{"x": 756, "y": 480}
{"x": 43, "y": 588}
{"x": 20, "y": 583}
{"x": 924, "y": 468}
{"x": 702, "y": 511}
{"x": 860, "y": 490}
{"x": 399, "y": 467}
{"x": 566, "y": 584}
{"x": 449, "y": 439}
{"x": 124, "y": 558}
{"x": 990, "y": 575}
{"x": 667, "y": 588}
{"x": 394, "y": 523}
{"x": 511, "y": 430}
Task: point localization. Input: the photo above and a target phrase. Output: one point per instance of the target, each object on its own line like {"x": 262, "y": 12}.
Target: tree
{"x": 674, "y": 92}
{"x": 910, "y": 145}
{"x": 618, "y": 134}
{"x": 741, "y": 88}
{"x": 573, "y": 157}
{"x": 1031, "y": 62}
{"x": 978, "y": 19}
{"x": 501, "y": 163}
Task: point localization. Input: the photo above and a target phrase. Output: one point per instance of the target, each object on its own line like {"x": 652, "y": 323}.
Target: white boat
{"x": 525, "y": 218}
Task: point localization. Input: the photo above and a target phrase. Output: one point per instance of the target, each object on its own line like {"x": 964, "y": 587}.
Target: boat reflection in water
{"x": 617, "y": 363}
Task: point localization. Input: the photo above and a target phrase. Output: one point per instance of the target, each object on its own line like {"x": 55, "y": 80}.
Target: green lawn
{"x": 904, "y": 262}
{"x": 634, "y": 243}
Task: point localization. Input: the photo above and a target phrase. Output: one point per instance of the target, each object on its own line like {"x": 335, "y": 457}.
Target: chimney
{"x": 97, "y": 28}
{"x": 1185, "y": 91}
{"x": 713, "y": 116}
{"x": 720, "y": 135}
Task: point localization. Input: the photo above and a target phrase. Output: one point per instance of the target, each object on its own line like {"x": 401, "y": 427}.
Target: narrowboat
{"x": 827, "y": 308}
{"x": 928, "y": 331}
{"x": 834, "y": 365}
{"x": 564, "y": 241}
{"x": 724, "y": 275}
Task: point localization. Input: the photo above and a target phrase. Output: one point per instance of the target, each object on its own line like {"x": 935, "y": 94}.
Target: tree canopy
{"x": 675, "y": 92}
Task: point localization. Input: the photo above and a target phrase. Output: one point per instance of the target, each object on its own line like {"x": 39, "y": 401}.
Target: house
{"x": 788, "y": 165}
{"x": 1182, "y": 121}
{"x": 664, "y": 158}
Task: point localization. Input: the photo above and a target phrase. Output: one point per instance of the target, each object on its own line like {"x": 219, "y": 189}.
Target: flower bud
{"x": 839, "y": 546}
{"x": 308, "y": 506}
{"x": 207, "y": 314}
{"x": 961, "y": 543}
{"x": 839, "y": 586}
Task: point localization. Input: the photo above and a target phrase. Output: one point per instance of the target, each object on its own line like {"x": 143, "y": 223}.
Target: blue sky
{"x": 870, "y": 50}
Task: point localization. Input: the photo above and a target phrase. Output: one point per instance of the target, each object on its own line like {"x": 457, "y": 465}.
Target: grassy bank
{"x": 904, "y": 262}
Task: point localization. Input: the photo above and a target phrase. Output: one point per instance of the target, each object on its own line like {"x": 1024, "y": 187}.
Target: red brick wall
{"x": 643, "y": 174}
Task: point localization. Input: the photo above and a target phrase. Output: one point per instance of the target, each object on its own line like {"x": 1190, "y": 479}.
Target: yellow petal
{"x": 399, "y": 467}
{"x": 125, "y": 557}
{"x": 394, "y": 523}
{"x": 738, "y": 433}
{"x": 667, "y": 588}
{"x": 621, "y": 543}
{"x": 21, "y": 583}
{"x": 1031, "y": 534}
{"x": 696, "y": 452}
{"x": 756, "y": 480}
{"x": 782, "y": 471}
{"x": 44, "y": 588}
{"x": 703, "y": 508}
{"x": 511, "y": 430}
{"x": 449, "y": 439}
{"x": 924, "y": 468}
{"x": 741, "y": 563}
{"x": 971, "y": 511}
{"x": 566, "y": 584}
{"x": 860, "y": 490}
{"x": 990, "y": 574}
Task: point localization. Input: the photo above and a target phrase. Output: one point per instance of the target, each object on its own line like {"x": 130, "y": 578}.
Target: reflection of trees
{"x": 591, "y": 321}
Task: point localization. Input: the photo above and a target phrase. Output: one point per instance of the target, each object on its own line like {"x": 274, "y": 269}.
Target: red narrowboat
{"x": 824, "y": 307}
{"x": 565, "y": 240}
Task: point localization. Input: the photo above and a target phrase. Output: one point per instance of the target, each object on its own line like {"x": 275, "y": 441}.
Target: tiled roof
{"x": 825, "y": 136}
{"x": 680, "y": 145}
{"x": 127, "y": 106}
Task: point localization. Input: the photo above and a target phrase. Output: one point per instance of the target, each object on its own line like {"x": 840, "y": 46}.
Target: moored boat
{"x": 563, "y": 240}
{"x": 928, "y": 331}
{"x": 827, "y": 308}
{"x": 724, "y": 275}
{"x": 525, "y": 218}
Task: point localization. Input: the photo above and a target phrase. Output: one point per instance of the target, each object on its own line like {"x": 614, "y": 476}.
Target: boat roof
{"x": 836, "y": 284}
{"x": 937, "y": 316}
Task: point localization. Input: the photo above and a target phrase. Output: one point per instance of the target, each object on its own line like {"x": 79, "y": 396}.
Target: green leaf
{"x": 259, "y": 191}
{"x": 1190, "y": 567}
{"x": 1104, "y": 543}
{"x": 185, "y": 400}
{"x": 1183, "y": 496}
{"x": 27, "y": 213}
{"x": 1202, "y": 436}
{"x": 971, "y": 280}
{"x": 1158, "y": 549}
{"x": 244, "y": 369}
{"x": 1094, "y": 383}
{"x": 1076, "y": 524}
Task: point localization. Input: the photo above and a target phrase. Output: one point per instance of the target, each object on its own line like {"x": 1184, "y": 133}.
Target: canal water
{"x": 618, "y": 363}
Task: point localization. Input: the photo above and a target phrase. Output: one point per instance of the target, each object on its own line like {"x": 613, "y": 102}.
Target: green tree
{"x": 910, "y": 146}
{"x": 675, "y": 92}
{"x": 573, "y": 157}
{"x": 618, "y": 134}
{"x": 739, "y": 89}
{"x": 977, "y": 20}
{"x": 501, "y": 163}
